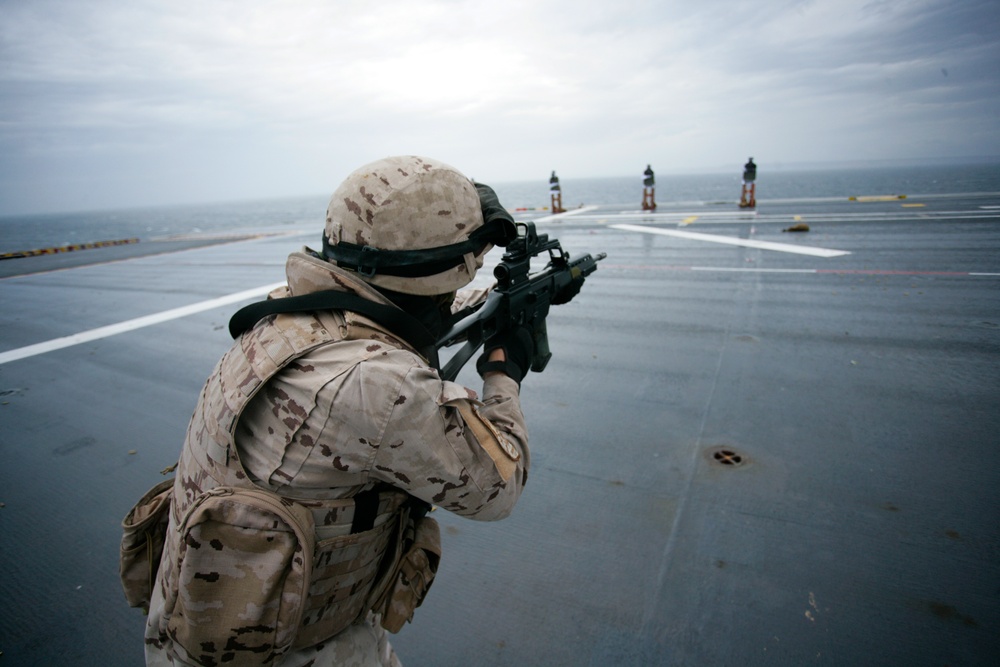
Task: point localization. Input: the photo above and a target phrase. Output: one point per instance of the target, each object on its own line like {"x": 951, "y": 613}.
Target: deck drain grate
{"x": 727, "y": 456}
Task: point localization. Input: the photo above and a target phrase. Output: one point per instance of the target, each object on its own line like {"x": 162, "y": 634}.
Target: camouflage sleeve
{"x": 444, "y": 446}
{"x": 502, "y": 406}
{"x": 470, "y": 297}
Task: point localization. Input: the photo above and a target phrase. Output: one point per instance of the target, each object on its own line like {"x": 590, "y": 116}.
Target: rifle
{"x": 520, "y": 298}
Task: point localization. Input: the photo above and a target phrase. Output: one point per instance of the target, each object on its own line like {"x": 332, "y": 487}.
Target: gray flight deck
{"x": 741, "y": 455}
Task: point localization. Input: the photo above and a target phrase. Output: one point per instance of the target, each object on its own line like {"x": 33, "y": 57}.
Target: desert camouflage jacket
{"x": 358, "y": 407}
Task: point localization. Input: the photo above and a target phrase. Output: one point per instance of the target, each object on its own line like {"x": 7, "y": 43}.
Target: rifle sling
{"x": 392, "y": 318}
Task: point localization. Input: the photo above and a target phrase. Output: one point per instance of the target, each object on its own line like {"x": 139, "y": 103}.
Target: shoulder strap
{"x": 397, "y": 321}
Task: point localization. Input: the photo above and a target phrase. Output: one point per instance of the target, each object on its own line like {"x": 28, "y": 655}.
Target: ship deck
{"x": 751, "y": 446}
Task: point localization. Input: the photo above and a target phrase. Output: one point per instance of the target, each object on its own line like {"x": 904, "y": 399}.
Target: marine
{"x": 297, "y": 525}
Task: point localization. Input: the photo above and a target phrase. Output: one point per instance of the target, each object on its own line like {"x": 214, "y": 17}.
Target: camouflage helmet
{"x": 411, "y": 224}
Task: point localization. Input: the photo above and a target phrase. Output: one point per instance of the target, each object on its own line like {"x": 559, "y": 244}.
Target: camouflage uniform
{"x": 358, "y": 407}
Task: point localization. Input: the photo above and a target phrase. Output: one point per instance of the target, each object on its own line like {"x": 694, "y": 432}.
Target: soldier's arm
{"x": 448, "y": 448}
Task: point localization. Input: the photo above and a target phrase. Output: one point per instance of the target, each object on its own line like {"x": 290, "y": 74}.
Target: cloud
{"x": 104, "y": 103}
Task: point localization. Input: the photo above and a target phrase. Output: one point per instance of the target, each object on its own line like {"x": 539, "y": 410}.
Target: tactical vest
{"x": 357, "y": 540}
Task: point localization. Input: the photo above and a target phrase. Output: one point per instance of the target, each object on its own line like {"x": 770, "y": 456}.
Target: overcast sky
{"x": 116, "y": 103}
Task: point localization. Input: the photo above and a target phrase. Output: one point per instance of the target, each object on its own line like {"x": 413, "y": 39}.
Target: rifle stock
{"x": 520, "y": 298}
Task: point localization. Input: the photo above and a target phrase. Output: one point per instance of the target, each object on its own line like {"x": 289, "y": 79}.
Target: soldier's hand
{"x": 518, "y": 353}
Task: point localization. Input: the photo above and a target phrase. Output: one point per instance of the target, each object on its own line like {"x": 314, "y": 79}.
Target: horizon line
{"x": 778, "y": 166}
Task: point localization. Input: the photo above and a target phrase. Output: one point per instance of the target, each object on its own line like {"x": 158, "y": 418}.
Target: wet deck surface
{"x": 741, "y": 454}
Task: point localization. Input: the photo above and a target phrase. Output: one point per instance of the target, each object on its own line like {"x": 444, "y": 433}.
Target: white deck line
{"x": 728, "y": 240}
{"x": 131, "y": 325}
{"x": 559, "y": 216}
{"x": 922, "y": 215}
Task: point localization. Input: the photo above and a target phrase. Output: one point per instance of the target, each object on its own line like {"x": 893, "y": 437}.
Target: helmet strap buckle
{"x": 367, "y": 268}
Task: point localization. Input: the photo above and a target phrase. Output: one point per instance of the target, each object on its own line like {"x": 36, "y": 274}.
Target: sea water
{"x": 21, "y": 233}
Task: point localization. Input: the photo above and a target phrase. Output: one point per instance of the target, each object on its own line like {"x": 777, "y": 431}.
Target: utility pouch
{"x": 421, "y": 554}
{"x": 144, "y": 529}
{"x": 241, "y": 578}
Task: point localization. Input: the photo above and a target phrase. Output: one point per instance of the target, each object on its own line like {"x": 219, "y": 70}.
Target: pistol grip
{"x": 542, "y": 354}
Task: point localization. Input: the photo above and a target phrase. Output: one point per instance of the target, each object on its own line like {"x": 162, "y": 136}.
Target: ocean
{"x": 30, "y": 232}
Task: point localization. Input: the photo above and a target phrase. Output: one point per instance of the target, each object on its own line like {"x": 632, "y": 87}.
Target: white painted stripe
{"x": 753, "y": 270}
{"x": 744, "y": 218}
{"x": 686, "y": 214}
{"x": 728, "y": 240}
{"x": 716, "y": 217}
{"x": 131, "y": 325}
{"x": 560, "y": 216}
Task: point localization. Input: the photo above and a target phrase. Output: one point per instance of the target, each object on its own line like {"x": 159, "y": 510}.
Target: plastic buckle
{"x": 373, "y": 253}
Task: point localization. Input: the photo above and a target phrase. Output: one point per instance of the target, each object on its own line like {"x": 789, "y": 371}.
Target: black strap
{"x": 365, "y": 511}
{"x": 369, "y": 261}
{"x": 395, "y": 320}
{"x": 366, "y": 505}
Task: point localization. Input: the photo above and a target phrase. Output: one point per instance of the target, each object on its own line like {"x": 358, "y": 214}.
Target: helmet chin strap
{"x": 474, "y": 261}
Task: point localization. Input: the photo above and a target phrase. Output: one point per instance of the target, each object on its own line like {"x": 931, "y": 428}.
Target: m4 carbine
{"x": 520, "y": 298}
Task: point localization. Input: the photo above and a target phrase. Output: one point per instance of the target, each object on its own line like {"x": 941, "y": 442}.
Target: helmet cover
{"x": 406, "y": 203}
